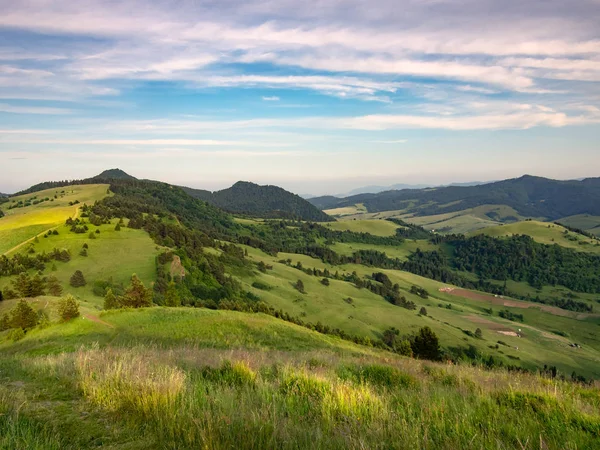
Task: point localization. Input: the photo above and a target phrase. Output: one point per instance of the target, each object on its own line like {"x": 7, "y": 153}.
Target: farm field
{"x": 545, "y": 233}
{"x": 252, "y": 381}
{"x": 21, "y": 224}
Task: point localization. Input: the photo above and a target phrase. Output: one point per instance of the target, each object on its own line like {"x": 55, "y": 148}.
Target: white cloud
{"x": 271, "y": 99}
{"x": 12, "y": 109}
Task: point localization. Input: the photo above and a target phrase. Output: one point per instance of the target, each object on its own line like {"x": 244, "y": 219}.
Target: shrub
{"x": 77, "y": 279}
{"x": 262, "y": 286}
{"x": 423, "y": 311}
{"x": 479, "y": 333}
{"x": 299, "y": 286}
{"x": 68, "y": 308}
{"x": 92, "y": 235}
{"x": 16, "y": 335}
{"x": 325, "y": 281}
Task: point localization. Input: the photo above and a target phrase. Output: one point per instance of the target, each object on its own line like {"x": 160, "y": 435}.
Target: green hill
{"x": 282, "y": 333}
{"x": 545, "y": 233}
{"x": 261, "y": 201}
{"x": 113, "y": 174}
{"x": 185, "y": 378}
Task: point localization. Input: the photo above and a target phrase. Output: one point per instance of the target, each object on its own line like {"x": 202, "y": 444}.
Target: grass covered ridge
{"x": 264, "y": 383}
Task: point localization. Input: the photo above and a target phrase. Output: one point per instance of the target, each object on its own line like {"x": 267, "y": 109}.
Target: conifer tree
{"x": 172, "y": 296}
{"x": 110, "y": 300}
{"x": 68, "y": 308}
{"x": 136, "y": 295}
{"x": 23, "y": 316}
{"x": 77, "y": 279}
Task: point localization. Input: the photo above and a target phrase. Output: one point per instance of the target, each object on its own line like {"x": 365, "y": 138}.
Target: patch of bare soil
{"x": 500, "y": 301}
{"x": 97, "y": 320}
{"x": 177, "y": 268}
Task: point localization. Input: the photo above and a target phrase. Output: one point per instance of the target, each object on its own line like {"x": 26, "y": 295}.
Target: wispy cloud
{"x": 271, "y": 99}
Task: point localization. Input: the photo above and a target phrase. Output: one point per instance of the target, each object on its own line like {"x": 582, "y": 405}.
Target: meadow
{"x": 22, "y": 224}
{"x": 187, "y": 378}
{"x": 545, "y": 233}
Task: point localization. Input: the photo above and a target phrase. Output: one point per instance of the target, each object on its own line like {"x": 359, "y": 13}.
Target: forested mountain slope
{"x": 262, "y": 201}
{"x": 529, "y": 196}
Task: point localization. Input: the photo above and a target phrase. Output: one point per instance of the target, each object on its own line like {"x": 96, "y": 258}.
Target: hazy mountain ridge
{"x": 530, "y": 196}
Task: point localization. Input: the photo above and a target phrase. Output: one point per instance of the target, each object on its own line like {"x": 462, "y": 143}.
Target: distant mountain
{"x": 261, "y": 201}
{"x": 113, "y": 174}
{"x": 530, "y": 196}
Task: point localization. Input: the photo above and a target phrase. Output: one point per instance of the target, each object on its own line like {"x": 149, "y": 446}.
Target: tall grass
{"x": 256, "y": 403}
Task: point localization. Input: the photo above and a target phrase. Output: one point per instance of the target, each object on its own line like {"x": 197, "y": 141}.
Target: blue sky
{"x": 319, "y": 96}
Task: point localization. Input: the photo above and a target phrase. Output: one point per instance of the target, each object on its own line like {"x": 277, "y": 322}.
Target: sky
{"x": 317, "y": 96}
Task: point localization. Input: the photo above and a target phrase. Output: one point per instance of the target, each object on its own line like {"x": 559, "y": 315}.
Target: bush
{"x": 423, "y": 311}
{"x": 68, "y": 308}
{"x": 77, "y": 279}
{"x": 325, "y": 281}
{"x": 262, "y": 286}
{"x": 16, "y": 335}
{"x": 111, "y": 301}
{"x": 479, "y": 333}
{"x": 299, "y": 285}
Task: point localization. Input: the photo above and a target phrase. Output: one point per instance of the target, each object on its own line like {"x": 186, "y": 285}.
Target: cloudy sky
{"x": 318, "y": 96}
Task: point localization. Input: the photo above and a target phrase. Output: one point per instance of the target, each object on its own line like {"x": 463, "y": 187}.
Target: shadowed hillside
{"x": 262, "y": 201}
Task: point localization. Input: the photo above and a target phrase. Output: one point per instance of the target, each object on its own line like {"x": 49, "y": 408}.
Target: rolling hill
{"x": 282, "y": 333}
{"x": 529, "y": 196}
{"x": 261, "y": 201}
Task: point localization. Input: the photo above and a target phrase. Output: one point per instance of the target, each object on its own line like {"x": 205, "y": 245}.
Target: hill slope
{"x": 529, "y": 196}
{"x": 184, "y": 378}
{"x": 113, "y": 174}
{"x": 262, "y": 201}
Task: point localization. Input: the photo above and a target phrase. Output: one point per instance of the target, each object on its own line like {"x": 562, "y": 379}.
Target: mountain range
{"x": 528, "y": 195}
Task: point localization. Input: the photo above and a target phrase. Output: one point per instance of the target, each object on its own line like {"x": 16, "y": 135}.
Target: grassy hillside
{"x": 375, "y": 227}
{"x": 23, "y": 223}
{"x": 450, "y": 316}
{"x": 545, "y": 233}
{"x": 185, "y": 378}
{"x": 585, "y": 222}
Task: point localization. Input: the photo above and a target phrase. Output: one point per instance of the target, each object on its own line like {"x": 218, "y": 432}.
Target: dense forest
{"x": 529, "y": 196}
{"x": 261, "y": 201}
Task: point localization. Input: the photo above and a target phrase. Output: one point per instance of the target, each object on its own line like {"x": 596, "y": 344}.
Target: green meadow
{"x": 24, "y": 223}
{"x": 374, "y": 227}
{"x": 186, "y": 378}
{"x": 545, "y": 233}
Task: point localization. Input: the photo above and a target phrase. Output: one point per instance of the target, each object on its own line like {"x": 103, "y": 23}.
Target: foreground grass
{"x": 263, "y": 383}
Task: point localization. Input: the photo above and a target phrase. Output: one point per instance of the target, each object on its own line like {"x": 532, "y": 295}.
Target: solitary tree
{"x": 23, "y": 316}
{"x": 325, "y": 281}
{"x": 172, "y": 296}
{"x": 423, "y": 311}
{"x": 299, "y": 285}
{"x": 110, "y": 300}
{"x": 77, "y": 279}
{"x": 118, "y": 227}
{"x": 136, "y": 295}
{"x": 68, "y": 308}
{"x": 478, "y": 333}
{"x": 426, "y": 344}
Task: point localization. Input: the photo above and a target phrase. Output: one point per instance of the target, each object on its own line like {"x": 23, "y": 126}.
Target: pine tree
{"x": 68, "y": 308}
{"x": 118, "y": 227}
{"x": 77, "y": 279}
{"x": 426, "y": 344}
{"x": 136, "y": 295}
{"x": 23, "y": 316}
{"x": 172, "y": 296}
{"x": 299, "y": 286}
{"x": 110, "y": 300}
{"x": 54, "y": 287}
